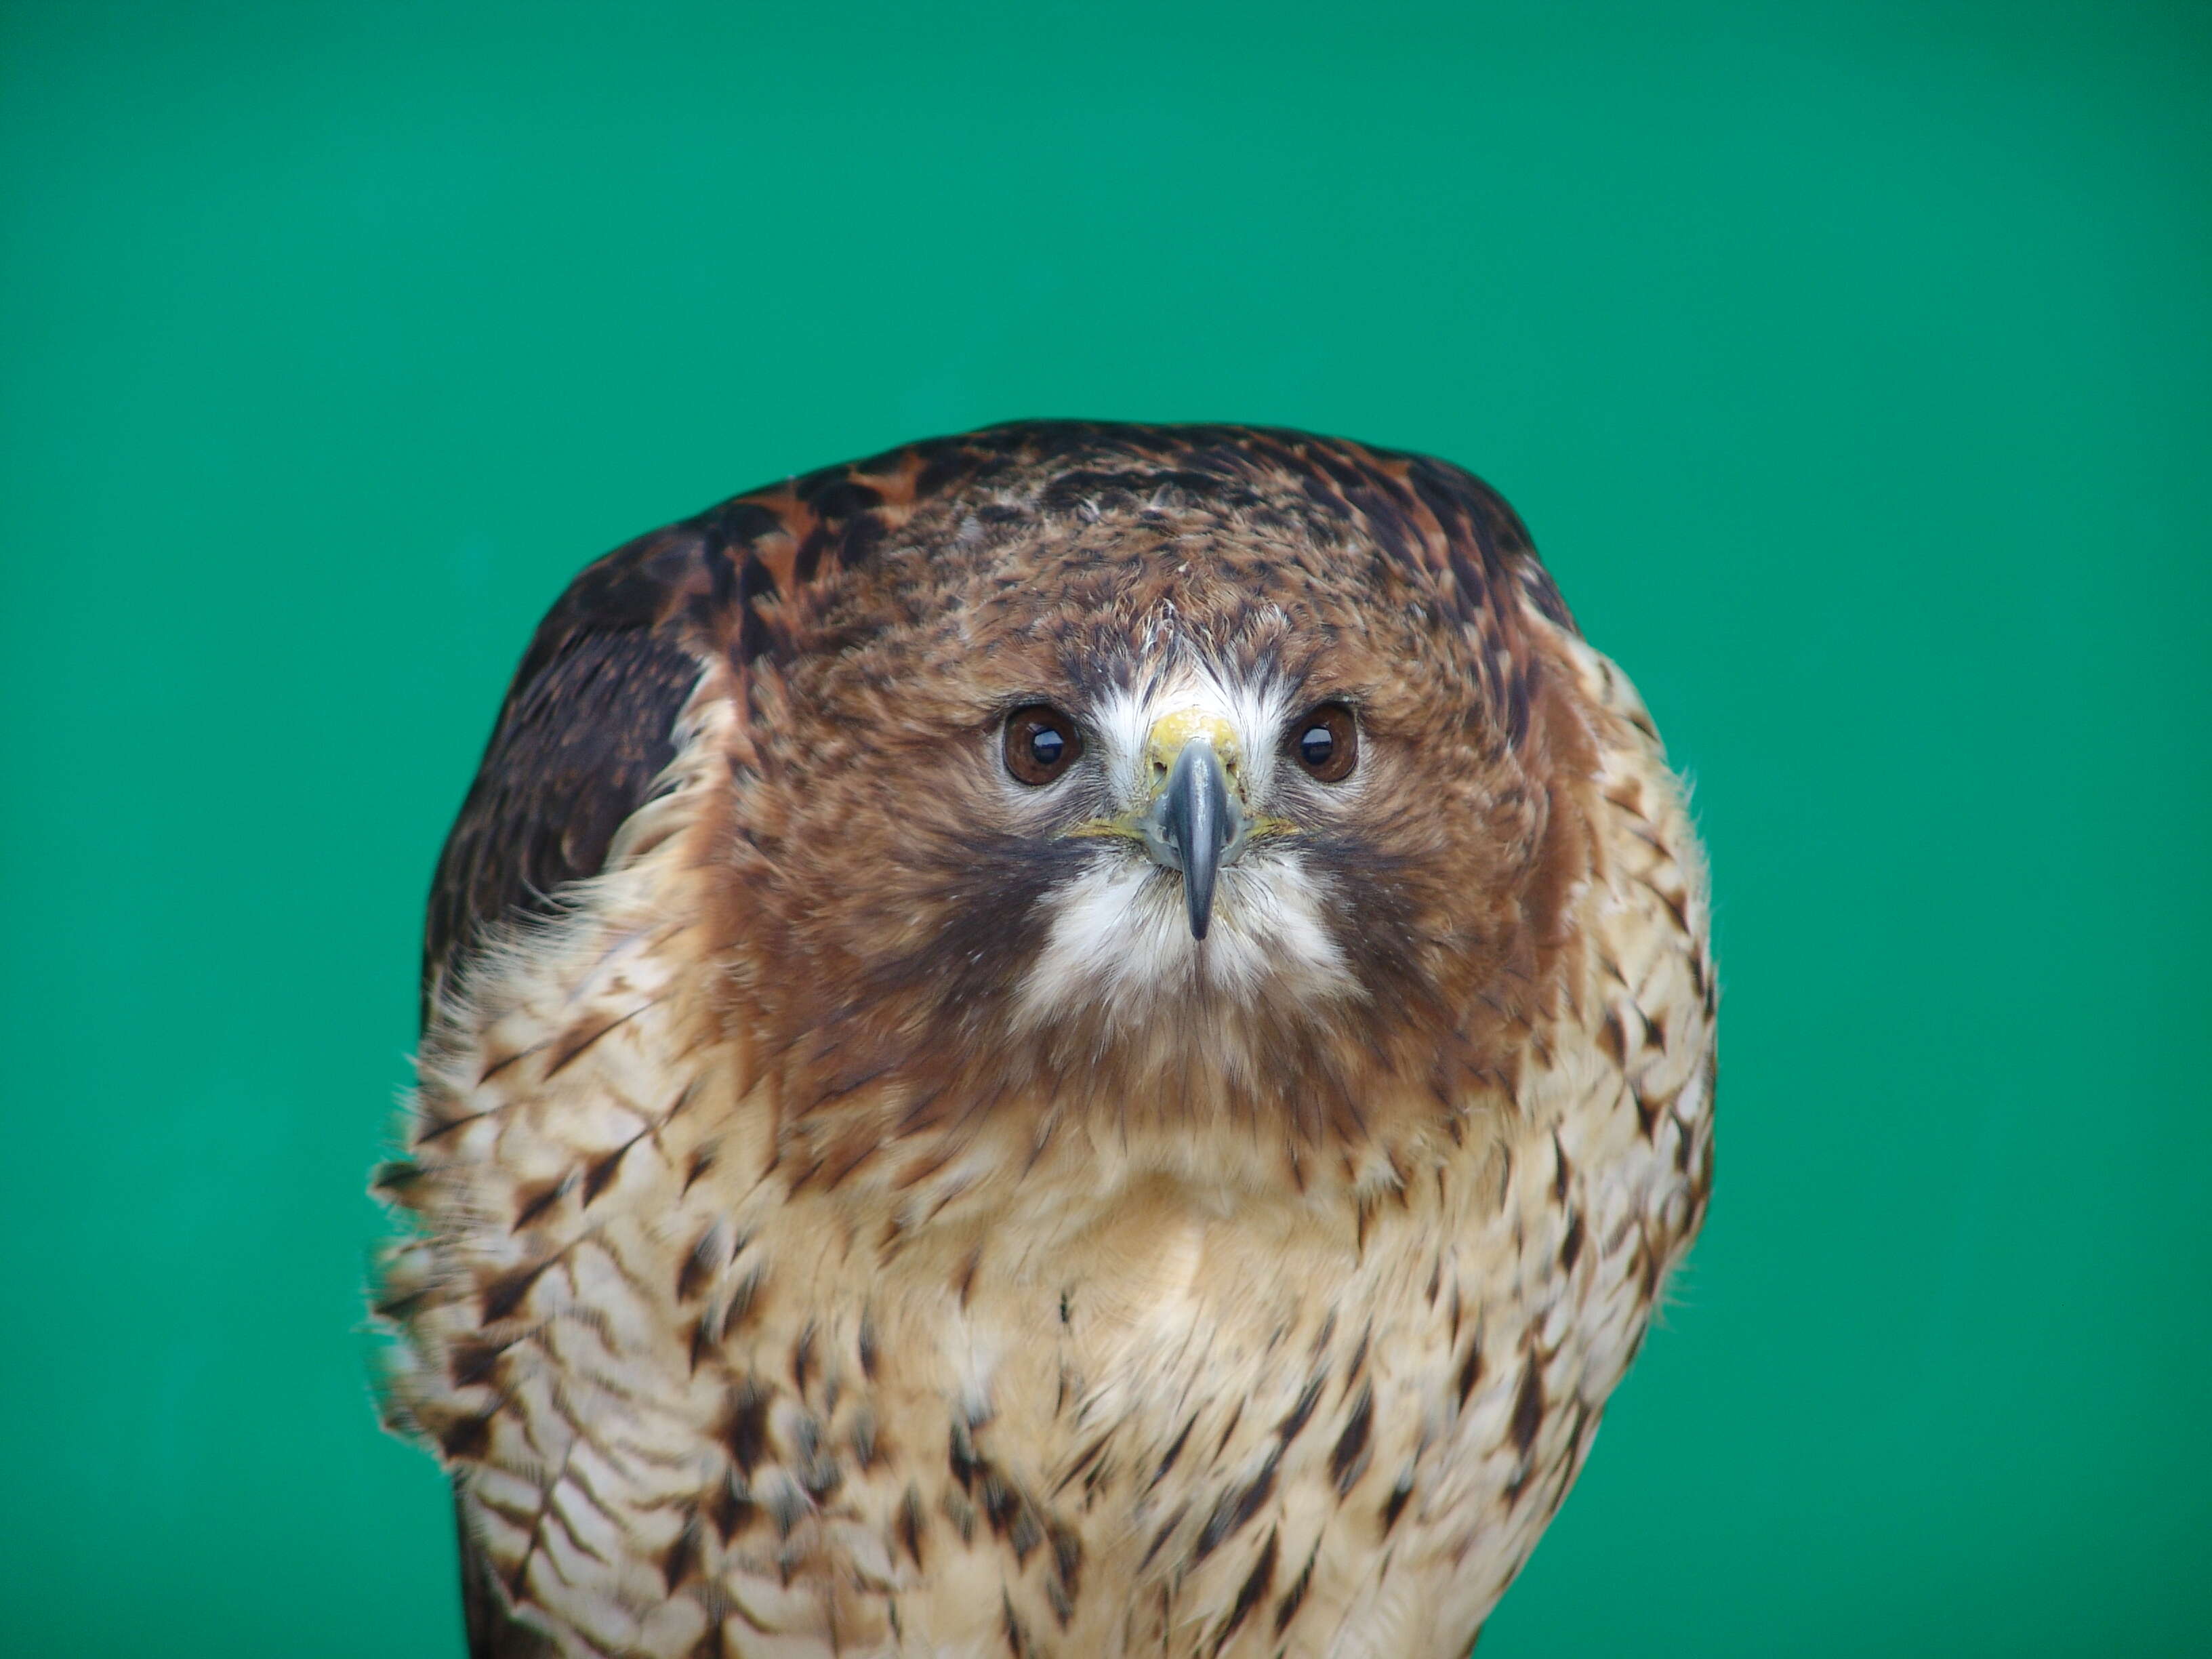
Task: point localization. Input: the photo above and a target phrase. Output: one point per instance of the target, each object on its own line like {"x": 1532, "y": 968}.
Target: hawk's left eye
{"x": 1041, "y": 743}
{"x": 1325, "y": 741}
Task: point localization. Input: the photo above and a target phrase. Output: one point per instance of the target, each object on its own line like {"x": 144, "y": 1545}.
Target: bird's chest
{"x": 1094, "y": 1413}
{"x": 1157, "y": 1417}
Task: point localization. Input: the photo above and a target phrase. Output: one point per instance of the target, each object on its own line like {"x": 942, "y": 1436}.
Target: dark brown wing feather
{"x": 587, "y": 726}
{"x": 583, "y": 733}
{"x": 575, "y": 754}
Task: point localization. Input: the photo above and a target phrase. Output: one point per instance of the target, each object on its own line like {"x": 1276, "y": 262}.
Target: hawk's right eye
{"x": 1041, "y": 743}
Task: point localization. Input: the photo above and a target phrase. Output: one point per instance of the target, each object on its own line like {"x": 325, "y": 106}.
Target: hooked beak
{"x": 1195, "y": 823}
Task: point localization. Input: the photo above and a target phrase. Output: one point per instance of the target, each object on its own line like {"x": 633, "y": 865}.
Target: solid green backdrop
{"x": 1848, "y": 362}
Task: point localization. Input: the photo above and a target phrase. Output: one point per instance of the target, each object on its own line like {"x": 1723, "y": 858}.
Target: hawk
{"x": 1081, "y": 1039}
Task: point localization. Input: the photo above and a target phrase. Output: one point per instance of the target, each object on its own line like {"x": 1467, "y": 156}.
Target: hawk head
{"x": 1216, "y": 782}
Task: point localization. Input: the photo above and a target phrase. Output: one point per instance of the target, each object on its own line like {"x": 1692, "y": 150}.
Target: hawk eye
{"x": 1325, "y": 741}
{"x": 1041, "y": 743}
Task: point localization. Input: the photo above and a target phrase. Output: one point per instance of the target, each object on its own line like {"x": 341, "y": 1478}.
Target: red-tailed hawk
{"x": 1085, "y": 1039}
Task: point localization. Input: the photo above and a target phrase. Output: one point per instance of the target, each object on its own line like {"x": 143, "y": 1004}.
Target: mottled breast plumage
{"x": 1082, "y": 1038}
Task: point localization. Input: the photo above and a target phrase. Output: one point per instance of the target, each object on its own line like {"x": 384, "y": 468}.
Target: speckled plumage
{"x": 852, "y": 1217}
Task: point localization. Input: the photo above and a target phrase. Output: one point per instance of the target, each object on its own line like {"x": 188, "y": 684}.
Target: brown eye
{"x": 1326, "y": 742}
{"x": 1041, "y": 743}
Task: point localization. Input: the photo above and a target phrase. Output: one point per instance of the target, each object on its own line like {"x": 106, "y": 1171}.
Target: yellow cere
{"x": 1185, "y": 725}
{"x": 1169, "y": 737}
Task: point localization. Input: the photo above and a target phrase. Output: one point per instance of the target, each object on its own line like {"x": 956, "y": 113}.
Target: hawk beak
{"x": 1195, "y": 823}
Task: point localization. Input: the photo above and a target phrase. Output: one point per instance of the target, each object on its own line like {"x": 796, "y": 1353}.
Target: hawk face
{"x": 1161, "y": 818}
{"x": 1212, "y": 788}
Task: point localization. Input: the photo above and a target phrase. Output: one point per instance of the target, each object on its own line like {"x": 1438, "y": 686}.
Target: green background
{"x": 1849, "y": 362}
